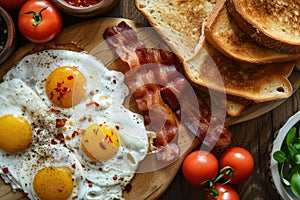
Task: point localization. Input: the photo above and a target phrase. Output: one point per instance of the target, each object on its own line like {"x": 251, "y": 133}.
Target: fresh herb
{"x": 288, "y": 158}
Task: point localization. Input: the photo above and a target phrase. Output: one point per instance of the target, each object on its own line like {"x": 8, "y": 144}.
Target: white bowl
{"x": 285, "y": 194}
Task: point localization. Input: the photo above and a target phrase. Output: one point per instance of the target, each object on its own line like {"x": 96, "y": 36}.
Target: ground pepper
{"x": 83, "y": 3}
{"x": 3, "y": 34}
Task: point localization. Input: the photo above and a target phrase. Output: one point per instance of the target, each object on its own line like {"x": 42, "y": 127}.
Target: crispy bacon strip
{"x": 144, "y": 81}
{"x": 210, "y": 130}
{"x": 158, "y": 81}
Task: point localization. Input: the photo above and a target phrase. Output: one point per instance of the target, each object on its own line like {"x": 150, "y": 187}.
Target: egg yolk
{"x": 52, "y": 183}
{"x": 15, "y": 133}
{"x": 65, "y": 86}
{"x": 100, "y": 142}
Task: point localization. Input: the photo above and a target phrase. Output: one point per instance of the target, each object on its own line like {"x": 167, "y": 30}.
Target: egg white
{"x": 35, "y": 68}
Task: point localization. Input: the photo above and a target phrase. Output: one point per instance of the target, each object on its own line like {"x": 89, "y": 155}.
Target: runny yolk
{"x": 15, "y": 133}
{"x": 100, "y": 142}
{"x": 65, "y": 86}
{"x": 51, "y": 183}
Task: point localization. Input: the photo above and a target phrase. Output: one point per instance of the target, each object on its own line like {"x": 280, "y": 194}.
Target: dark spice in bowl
{"x": 3, "y": 33}
{"x": 7, "y": 35}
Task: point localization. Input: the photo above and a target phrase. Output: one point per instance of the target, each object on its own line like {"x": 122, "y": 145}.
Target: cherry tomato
{"x": 241, "y": 161}
{"x": 200, "y": 166}
{"x": 226, "y": 192}
{"x": 39, "y": 21}
{"x": 12, "y": 4}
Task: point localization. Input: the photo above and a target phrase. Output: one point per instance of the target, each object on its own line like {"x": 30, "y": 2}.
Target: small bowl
{"x": 10, "y": 43}
{"x": 86, "y": 12}
{"x": 277, "y": 144}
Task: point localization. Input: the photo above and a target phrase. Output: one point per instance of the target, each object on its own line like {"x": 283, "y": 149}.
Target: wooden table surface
{"x": 255, "y": 135}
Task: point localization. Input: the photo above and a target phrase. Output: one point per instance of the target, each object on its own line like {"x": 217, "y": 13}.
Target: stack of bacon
{"x": 156, "y": 86}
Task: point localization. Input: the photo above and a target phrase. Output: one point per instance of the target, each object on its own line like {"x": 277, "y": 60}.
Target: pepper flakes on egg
{"x": 5, "y": 170}
{"x": 100, "y": 142}
{"x": 60, "y": 123}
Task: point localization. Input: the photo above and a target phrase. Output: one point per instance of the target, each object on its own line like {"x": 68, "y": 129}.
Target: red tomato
{"x": 241, "y": 161}
{"x": 200, "y": 166}
{"x": 39, "y": 21}
{"x": 12, "y": 4}
{"x": 226, "y": 192}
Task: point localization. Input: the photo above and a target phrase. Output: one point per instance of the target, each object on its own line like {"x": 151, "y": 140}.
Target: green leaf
{"x": 279, "y": 156}
{"x": 295, "y": 184}
{"x": 285, "y": 182}
{"x": 291, "y": 135}
{"x": 290, "y": 138}
{"x": 297, "y": 144}
{"x": 297, "y": 158}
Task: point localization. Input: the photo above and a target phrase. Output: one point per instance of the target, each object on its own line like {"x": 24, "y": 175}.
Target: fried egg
{"x": 52, "y": 172}
{"x": 65, "y": 79}
{"x": 22, "y": 115}
{"x": 110, "y": 142}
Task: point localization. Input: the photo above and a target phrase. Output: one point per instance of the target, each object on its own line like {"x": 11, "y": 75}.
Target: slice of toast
{"x": 272, "y": 23}
{"x": 224, "y": 34}
{"x": 258, "y": 83}
{"x": 178, "y": 22}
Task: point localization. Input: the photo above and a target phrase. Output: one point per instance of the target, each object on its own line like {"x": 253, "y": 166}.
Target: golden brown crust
{"x": 272, "y": 23}
{"x": 211, "y": 69}
{"x": 224, "y": 34}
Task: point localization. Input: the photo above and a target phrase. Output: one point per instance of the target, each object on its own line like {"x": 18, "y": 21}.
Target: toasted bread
{"x": 180, "y": 24}
{"x": 272, "y": 23}
{"x": 211, "y": 69}
{"x": 224, "y": 34}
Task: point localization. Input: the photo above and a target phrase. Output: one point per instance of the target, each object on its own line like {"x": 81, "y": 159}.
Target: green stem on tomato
{"x": 37, "y": 17}
{"x": 210, "y": 184}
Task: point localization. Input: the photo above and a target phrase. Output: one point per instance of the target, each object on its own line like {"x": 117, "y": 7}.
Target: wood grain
{"x": 256, "y": 135}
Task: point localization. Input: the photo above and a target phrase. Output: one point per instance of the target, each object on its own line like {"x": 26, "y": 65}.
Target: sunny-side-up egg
{"x": 110, "y": 143}
{"x": 65, "y": 79}
{"x": 24, "y": 119}
{"x": 52, "y": 172}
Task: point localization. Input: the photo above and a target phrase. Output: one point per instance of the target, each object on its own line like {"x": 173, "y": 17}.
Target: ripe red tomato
{"x": 226, "y": 192}
{"x": 39, "y": 21}
{"x": 200, "y": 166}
{"x": 12, "y": 4}
{"x": 241, "y": 161}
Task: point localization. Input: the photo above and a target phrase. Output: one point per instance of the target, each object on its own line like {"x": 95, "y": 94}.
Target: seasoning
{"x": 83, "y": 3}
{"x": 3, "y": 34}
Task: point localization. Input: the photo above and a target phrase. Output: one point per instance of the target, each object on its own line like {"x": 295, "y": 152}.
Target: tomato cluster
{"x": 39, "y": 21}
{"x": 201, "y": 169}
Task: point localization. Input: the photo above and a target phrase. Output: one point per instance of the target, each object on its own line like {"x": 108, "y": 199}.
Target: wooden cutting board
{"x": 89, "y": 37}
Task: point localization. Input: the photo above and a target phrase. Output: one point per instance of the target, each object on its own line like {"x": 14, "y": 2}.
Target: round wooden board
{"x": 89, "y": 37}
{"x": 147, "y": 184}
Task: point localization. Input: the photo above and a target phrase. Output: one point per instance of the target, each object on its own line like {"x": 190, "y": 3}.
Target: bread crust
{"x": 211, "y": 69}
{"x": 224, "y": 34}
{"x": 271, "y": 23}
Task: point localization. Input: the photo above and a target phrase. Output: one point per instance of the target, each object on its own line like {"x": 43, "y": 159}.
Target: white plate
{"x": 285, "y": 194}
